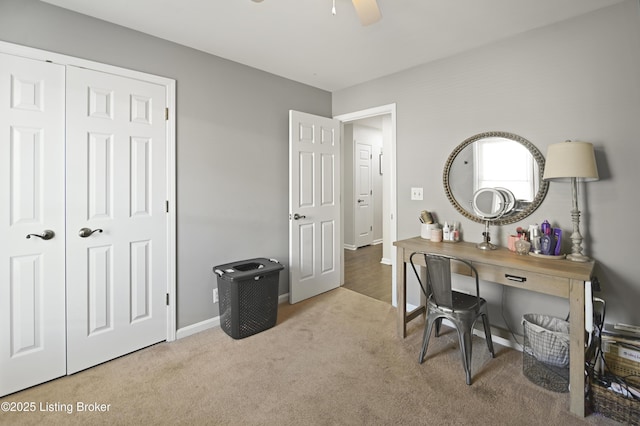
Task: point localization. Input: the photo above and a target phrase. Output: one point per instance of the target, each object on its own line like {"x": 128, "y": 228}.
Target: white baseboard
{"x": 498, "y": 335}
{"x": 213, "y": 322}
{"x": 197, "y": 327}
{"x": 350, "y": 247}
{"x": 386, "y": 261}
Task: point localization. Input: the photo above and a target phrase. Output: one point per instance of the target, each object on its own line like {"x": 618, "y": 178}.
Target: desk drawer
{"x": 541, "y": 283}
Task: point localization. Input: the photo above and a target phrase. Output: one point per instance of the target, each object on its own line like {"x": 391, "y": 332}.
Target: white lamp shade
{"x": 568, "y": 160}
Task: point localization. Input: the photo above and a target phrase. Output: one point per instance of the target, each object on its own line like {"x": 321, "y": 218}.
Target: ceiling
{"x": 302, "y": 41}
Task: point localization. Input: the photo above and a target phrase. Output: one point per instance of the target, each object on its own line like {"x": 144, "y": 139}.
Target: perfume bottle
{"x": 522, "y": 246}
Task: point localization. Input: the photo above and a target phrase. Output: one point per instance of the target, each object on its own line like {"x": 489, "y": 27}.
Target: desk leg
{"x": 576, "y": 348}
{"x": 401, "y": 293}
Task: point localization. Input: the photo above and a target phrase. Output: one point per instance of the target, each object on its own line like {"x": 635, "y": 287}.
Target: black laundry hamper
{"x": 248, "y": 294}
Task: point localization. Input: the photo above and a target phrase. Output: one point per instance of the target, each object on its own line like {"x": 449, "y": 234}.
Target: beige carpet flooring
{"x": 331, "y": 360}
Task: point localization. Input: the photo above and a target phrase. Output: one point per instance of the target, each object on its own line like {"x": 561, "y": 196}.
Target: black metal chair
{"x": 460, "y": 308}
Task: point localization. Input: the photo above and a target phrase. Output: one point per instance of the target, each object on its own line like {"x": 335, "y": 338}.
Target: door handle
{"x": 361, "y": 201}
{"x": 296, "y": 216}
{"x": 85, "y": 232}
{"x": 47, "y": 234}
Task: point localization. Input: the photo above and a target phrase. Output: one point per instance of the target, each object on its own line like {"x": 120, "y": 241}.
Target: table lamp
{"x": 569, "y": 162}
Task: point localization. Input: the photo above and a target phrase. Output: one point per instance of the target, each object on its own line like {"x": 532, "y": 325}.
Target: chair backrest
{"x": 438, "y": 285}
{"x": 439, "y": 279}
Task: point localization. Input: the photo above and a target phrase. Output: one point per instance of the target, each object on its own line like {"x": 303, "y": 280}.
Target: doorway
{"x": 365, "y": 274}
{"x": 369, "y": 269}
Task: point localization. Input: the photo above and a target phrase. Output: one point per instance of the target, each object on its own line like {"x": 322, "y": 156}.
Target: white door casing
{"x": 389, "y": 207}
{"x": 314, "y": 205}
{"x": 32, "y": 270}
{"x": 364, "y": 193}
{"x": 116, "y": 188}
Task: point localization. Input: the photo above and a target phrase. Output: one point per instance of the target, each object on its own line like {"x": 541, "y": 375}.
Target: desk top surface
{"x": 502, "y": 257}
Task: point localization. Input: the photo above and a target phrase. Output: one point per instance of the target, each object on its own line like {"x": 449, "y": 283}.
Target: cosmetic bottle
{"x": 534, "y": 237}
{"x": 545, "y": 227}
{"x": 455, "y": 232}
{"x": 557, "y": 236}
{"x": 446, "y": 232}
{"x": 546, "y": 244}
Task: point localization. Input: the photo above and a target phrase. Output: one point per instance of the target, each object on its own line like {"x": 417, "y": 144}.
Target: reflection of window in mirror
{"x": 501, "y": 163}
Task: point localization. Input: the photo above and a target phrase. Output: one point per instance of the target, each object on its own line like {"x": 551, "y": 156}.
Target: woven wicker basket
{"x": 624, "y": 409}
{"x": 613, "y": 405}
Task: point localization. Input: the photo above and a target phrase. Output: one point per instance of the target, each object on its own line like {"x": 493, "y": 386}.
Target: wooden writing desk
{"x": 561, "y": 278}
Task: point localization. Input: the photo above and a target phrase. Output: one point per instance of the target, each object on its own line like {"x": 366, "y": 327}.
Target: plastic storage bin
{"x": 546, "y": 351}
{"x": 248, "y": 295}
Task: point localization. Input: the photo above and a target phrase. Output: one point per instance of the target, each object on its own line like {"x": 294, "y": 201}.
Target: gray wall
{"x": 232, "y": 141}
{"x": 577, "y": 79}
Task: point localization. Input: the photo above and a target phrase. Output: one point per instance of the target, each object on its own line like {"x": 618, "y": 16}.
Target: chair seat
{"x": 462, "y": 302}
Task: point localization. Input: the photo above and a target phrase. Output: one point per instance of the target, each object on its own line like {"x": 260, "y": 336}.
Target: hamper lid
{"x": 249, "y": 268}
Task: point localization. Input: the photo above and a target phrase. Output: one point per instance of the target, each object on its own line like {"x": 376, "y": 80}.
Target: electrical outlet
{"x": 215, "y": 295}
{"x": 416, "y": 193}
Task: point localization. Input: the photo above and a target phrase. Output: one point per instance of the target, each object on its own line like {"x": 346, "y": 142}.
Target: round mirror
{"x": 489, "y": 203}
{"x": 504, "y": 162}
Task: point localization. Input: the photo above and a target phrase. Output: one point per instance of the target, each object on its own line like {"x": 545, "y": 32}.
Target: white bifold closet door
{"x": 116, "y": 190}
{"x": 32, "y": 275}
{"x": 83, "y": 155}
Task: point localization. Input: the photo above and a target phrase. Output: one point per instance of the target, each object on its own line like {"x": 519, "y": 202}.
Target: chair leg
{"x": 425, "y": 339}
{"x": 487, "y": 334}
{"x": 465, "y": 347}
{"x": 438, "y": 325}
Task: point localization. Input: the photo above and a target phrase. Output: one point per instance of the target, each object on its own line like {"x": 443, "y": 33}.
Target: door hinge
{"x": 167, "y": 299}
{"x": 371, "y": 192}
{"x": 166, "y": 206}
{"x": 166, "y": 113}
{"x": 371, "y": 228}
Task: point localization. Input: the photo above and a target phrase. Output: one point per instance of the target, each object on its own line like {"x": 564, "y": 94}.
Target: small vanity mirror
{"x": 491, "y": 204}
{"x": 508, "y": 166}
{"x": 488, "y": 203}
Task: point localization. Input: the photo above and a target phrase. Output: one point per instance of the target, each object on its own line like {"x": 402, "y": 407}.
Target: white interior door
{"x": 314, "y": 205}
{"x": 116, "y": 217}
{"x": 32, "y": 275}
{"x": 364, "y": 193}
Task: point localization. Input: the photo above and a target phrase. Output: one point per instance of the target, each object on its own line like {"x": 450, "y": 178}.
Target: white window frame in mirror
{"x": 504, "y": 164}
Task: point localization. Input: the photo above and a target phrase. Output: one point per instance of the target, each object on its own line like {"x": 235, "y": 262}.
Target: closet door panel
{"x": 32, "y": 275}
{"x": 116, "y": 189}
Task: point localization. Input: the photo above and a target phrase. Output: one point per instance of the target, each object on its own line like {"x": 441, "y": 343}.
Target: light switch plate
{"x": 416, "y": 193}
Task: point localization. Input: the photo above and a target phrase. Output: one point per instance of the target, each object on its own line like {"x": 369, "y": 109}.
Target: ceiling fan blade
{"x": 367, "y": 11}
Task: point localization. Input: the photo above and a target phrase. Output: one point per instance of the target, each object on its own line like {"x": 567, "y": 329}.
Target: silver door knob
{"x": 297, "y": 216}
{"x": 47, "y": 234}
{"x": 85, "y": 232}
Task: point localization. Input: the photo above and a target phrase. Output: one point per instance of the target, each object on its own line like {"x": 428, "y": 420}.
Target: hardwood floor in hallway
{"x": 365, "y": 274}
